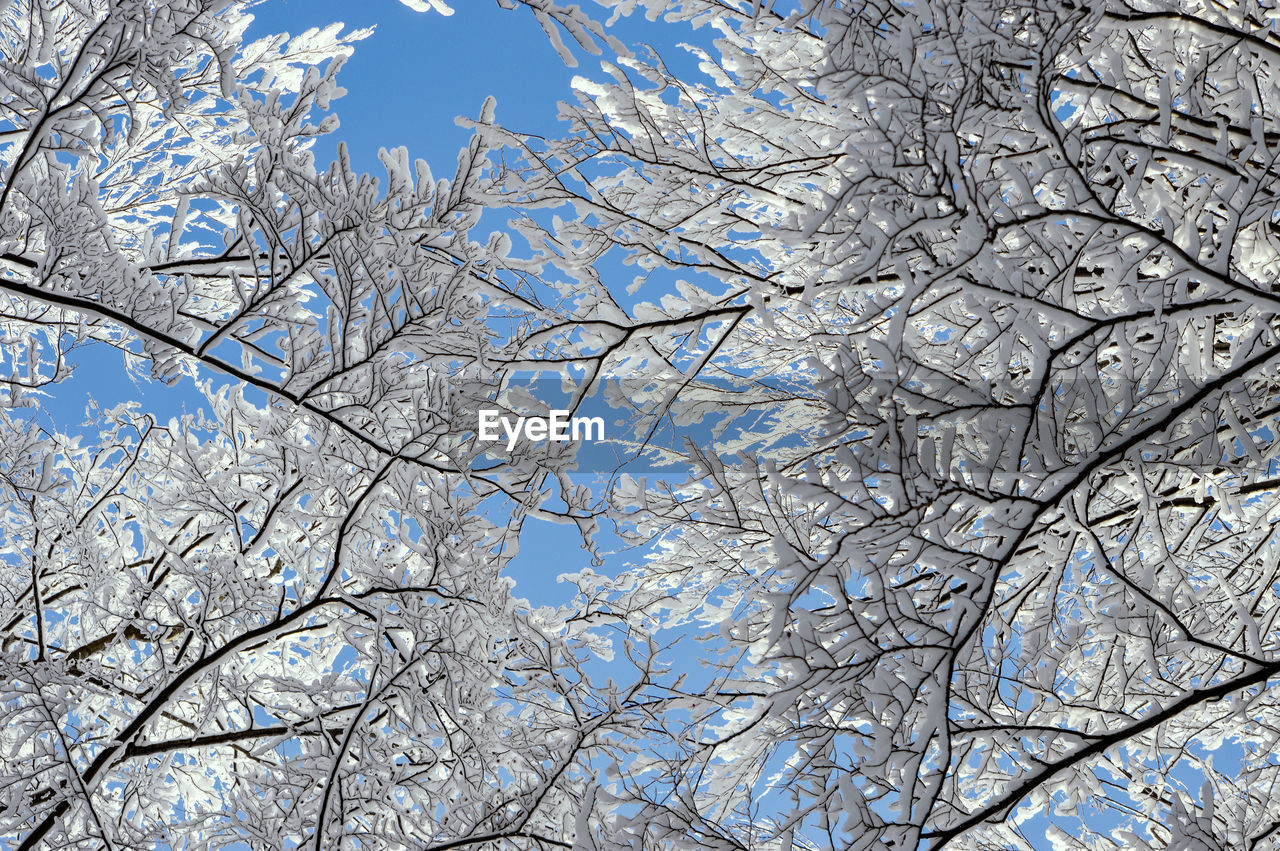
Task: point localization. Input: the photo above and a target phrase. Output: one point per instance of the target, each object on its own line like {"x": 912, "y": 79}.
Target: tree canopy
{"x": 951, "y": 347}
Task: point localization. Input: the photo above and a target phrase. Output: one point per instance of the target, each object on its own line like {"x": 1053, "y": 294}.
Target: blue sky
{"x": 408, "y": 81}
{"x": 417, "y": 71}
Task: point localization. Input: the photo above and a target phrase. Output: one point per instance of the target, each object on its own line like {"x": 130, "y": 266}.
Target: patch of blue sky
{"x": 408, "y": 80}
